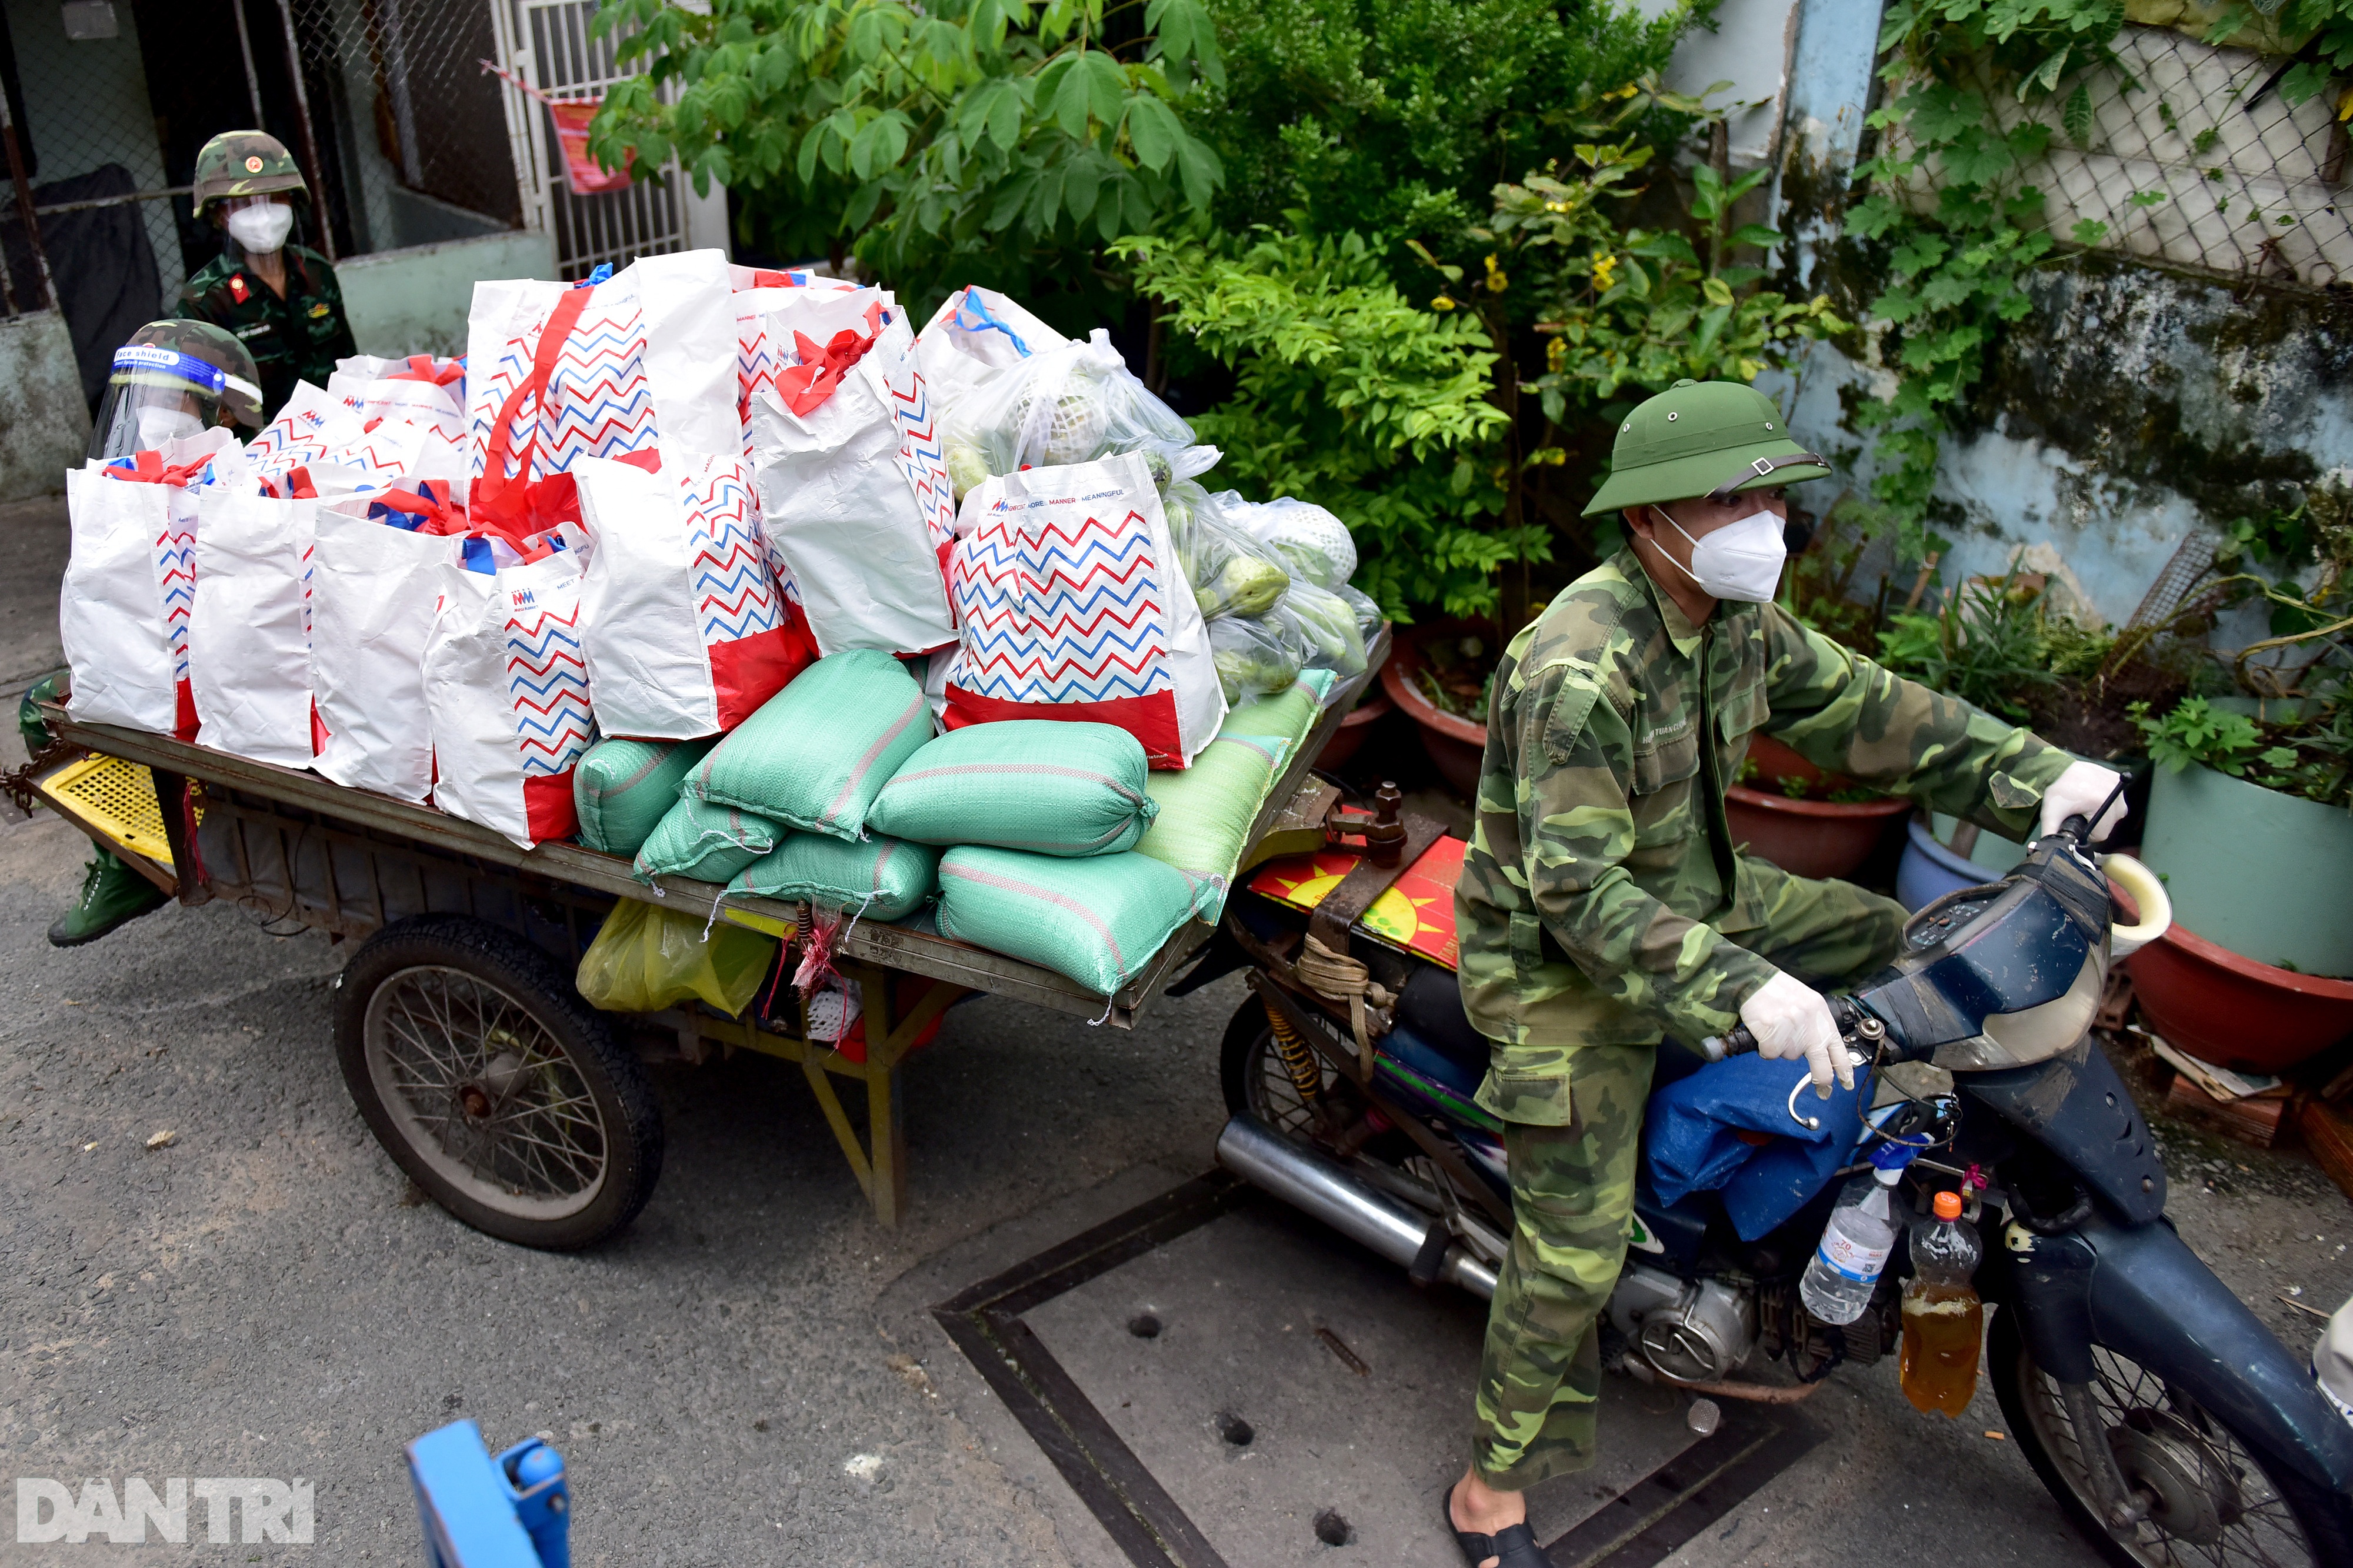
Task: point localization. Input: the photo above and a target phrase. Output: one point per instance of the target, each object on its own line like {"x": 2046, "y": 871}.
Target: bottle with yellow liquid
{"x": 1944, "y": 1322}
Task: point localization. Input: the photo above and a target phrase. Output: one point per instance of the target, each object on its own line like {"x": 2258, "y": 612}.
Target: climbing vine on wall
{"x": 1978, "y": 91}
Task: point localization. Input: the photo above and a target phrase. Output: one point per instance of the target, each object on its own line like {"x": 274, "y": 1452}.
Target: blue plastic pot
{"x": 1929, "y": 870}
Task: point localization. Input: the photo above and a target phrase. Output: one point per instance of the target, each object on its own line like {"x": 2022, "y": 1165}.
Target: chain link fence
{"x": 2188, "y": 153}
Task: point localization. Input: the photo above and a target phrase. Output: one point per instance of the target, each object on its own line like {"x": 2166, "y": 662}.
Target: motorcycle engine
{"x": 1696, "y": 1331}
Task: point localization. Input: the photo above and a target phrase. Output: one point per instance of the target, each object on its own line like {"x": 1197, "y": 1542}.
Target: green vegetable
{"x": 1334, "y": 641}
{"x": 1254, "y": 655}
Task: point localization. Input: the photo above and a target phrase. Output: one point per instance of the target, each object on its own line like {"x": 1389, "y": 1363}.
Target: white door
{"x": 547, "y": 43}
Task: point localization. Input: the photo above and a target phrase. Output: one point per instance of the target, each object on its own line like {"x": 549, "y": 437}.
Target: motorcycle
{"x": 2168, "y": 1423}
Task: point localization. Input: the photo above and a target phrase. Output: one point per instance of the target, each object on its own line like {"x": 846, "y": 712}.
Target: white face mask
{"x": 1740, "y": 562}
{"x": 261, "y": 229}
{"x": 157, "y": 425}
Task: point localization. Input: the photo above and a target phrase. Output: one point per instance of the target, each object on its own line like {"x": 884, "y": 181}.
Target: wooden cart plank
{"x": 897, "y": 947}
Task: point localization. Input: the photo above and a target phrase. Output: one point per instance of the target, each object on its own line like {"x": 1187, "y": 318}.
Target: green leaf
{"x": 1198, "y": 167}
{"x": 1069, "y": 103}
{"x": 1717, "y": 290}
{"x": 1756, "y": 234}
{"x": 1152, "y": 131}
{"x": 2077, "y": 116}
{"x": 1107, "y": 85}
{"x": 2089, "y": 232}
{"x": 1082, "y": 184}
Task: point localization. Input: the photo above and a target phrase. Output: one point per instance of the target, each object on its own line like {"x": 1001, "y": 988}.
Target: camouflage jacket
{"x": 1602, "y": 850}
{"x": 299, "y": 338}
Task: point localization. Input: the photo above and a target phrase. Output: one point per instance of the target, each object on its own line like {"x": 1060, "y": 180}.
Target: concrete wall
{"x": 2132, "y": 409}
{"x": 44, "y": 425}
{"x": 1751, "y": 48}
{"x": 414, "y": 301}
{"x": 86, "y": 106}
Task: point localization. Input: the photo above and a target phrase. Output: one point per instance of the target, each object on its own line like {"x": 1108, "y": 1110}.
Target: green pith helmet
{"x": 1697, "y": 438}
{"x": 245, "y": 164}
{"x": 174, "y": 378}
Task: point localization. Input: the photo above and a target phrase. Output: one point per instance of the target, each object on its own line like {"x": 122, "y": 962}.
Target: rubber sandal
{"x": 1513, "y": 1546}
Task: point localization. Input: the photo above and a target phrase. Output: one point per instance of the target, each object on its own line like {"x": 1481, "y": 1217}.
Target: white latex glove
{"x": 1790, "y": 1019}
{"x": 2079, "y": 791}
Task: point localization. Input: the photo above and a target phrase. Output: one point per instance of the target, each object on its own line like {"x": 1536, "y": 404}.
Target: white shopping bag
{"x": 249, "y": 632}
{"x": 130, "y": 558}
{"x": 507, "y": 694}
{"x": 373, "y": 589}
{"x": 420, "y": 388}
{"x": 129, "y": 585}
{"x": 974, "y": 333}
{"x": 1071, "y": 603}
{"x": 689, "y": 632}
{"x": 557, "y": 372}
{"x": 311, "y": 422}
{"x": 855, "y": 505}
{"x": 758, "y": 358}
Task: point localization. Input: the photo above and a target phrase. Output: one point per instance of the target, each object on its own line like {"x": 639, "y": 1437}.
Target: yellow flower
{"x": 1556, "y": 353}
{"x": 1604, "y": 271}
{"x": 1496, "y": 281}
{"x": 1556, "y": 206}
{"x": 1442, "y": 303}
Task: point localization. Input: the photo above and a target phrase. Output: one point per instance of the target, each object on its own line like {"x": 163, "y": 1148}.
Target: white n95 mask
{"x": 1740, "y": 562}
{"x": 263, "y": 228}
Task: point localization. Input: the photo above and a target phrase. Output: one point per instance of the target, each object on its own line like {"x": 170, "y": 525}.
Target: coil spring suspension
{"x": 1298, "y": 1058}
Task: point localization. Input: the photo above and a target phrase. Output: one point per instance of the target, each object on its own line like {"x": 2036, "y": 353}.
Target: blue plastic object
{"x": 1692, "y": 1139}
{"x": 512, "y": 1511}
{"x": 1929, "y": 870}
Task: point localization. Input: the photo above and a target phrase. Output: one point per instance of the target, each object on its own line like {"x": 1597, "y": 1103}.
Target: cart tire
{"x": 493, "y": 1085}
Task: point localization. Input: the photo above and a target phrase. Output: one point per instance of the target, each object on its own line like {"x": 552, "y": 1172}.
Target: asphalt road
{"x": 750, "y": 1374}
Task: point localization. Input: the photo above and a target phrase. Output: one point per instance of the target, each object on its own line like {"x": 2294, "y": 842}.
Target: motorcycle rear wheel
{"x": 2221, "y": 1500}
{"x": 1258, "y": 1082}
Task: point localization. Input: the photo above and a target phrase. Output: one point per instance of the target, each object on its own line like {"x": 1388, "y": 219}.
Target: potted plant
{"x": 1808, "y": 822}
{"x": 2251, "y": 825}
{"x": 1440, "y": 675}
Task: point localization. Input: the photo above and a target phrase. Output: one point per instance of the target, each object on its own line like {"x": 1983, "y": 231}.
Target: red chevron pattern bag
{"x": 689, "y": 631}
{"x": 1071, "y": 604}
{"x": 556, "y": 372}
{"x": 506, "y": 693}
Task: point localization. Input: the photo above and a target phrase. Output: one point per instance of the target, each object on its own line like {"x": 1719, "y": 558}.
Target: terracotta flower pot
{"x": 1806, "y": 838}
{"x": 2233, "y": 1011}
{"x": 1353, "y": 729}
{"x": 1456, "y": 745}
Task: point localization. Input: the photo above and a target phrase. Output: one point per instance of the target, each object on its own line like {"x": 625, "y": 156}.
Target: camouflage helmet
{"x": 1709, "y": 438}
{"x": 238, "y": 387}
{"x": 245, "y": 164}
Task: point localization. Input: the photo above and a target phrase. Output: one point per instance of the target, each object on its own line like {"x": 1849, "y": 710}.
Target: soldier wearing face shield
{"x": 1604, "y": 906}
{"x": 173, "y": 380}
{"x": 281, "y": 301}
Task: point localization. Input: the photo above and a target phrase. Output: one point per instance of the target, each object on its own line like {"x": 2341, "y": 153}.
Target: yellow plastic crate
{"x": 116, "y": 799}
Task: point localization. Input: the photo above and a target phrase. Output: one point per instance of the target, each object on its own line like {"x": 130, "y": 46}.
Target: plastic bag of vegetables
{"x": 1067, "y": 404}
{"x": 1308, "y": 540}
{"x": 1329, "y": 623}
{"x": 1256, "y": 656}
{"x": 1230, "y": 573}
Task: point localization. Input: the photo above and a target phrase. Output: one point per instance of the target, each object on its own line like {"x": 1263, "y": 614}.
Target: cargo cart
{"x": 509, "y": 1100}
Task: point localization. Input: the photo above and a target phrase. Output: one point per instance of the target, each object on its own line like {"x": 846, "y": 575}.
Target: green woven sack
{"x": 708, "y": 842}
{"x": 879, "y": 878}
{"x": 818, "y": 753}
{"x": 622, "y": 788}
{"x": 1205, "y": 811}
{"x": 1038, "y": 785}
{"x": 1098, "y": 921}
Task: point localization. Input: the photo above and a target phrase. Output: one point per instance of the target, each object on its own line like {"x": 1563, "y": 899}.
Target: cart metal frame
{"x": 414, "y": 859}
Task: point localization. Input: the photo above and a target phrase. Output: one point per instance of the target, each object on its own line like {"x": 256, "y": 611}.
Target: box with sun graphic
{"x": 1416, "y": 914}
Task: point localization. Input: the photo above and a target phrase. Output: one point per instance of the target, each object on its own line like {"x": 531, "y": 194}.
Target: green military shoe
{"x": 113, "y": 894}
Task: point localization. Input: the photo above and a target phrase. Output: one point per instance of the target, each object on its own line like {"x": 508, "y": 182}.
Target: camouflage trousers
{"x": 1573, "y": 1192}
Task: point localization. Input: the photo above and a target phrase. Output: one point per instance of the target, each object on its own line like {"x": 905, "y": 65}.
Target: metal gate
{"x": 548, "y": 44}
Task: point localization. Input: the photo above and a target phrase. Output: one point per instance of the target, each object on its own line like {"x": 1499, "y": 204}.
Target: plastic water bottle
{"x": 1944, "y": 1322}
{"x": 1855, "y": 1243}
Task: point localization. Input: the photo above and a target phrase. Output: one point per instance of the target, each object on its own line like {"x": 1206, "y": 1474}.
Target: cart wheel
{"x": 493, "y": 1085}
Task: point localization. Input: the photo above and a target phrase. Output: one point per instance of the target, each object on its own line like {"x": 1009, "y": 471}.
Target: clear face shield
{"x": 157, "y": 394}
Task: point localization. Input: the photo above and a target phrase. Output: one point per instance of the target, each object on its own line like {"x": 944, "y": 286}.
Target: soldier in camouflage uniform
{"x": 281, "y": 301}
{"x": 1603, "y": 904}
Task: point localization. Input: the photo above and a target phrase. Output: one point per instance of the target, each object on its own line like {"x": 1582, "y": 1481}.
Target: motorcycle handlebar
{"x": 1737, "y": 1041}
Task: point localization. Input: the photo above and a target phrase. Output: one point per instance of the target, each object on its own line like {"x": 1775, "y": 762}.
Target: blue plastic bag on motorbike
{"x": 1692, "y": 1139}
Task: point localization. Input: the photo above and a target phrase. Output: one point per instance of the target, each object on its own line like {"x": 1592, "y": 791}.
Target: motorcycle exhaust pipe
{"x": 1320, "y": 1187}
